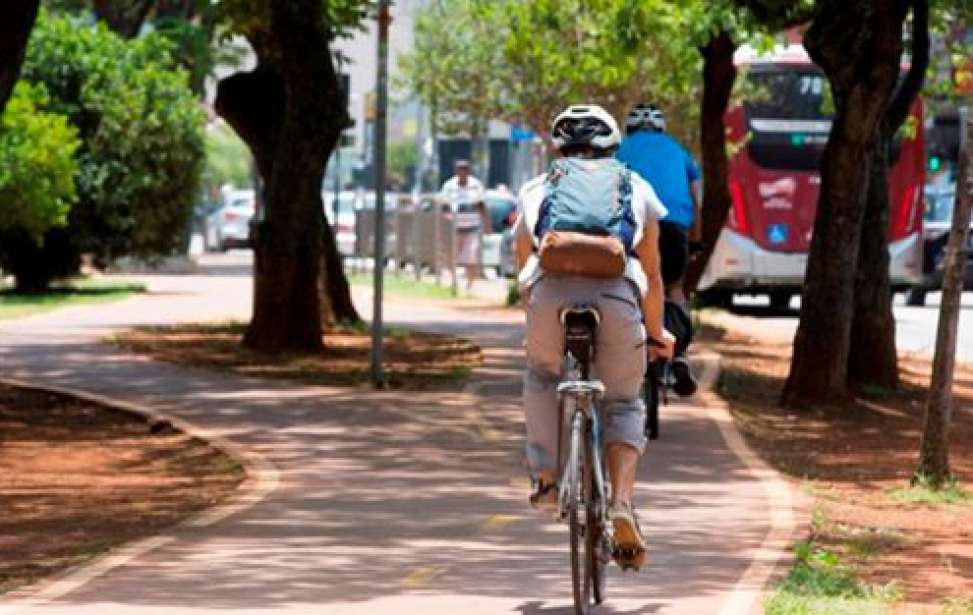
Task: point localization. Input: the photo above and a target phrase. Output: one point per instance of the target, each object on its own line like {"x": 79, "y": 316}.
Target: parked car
{"x": 341, "y": 217}
{"x": 502, "y": 209}
{"x": 228, "y": 226}
{"x": 938, "y": 217}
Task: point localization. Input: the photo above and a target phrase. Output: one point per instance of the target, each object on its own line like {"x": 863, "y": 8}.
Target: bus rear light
{"x": 904, "y": 218}
{"x": 738, "y": 213}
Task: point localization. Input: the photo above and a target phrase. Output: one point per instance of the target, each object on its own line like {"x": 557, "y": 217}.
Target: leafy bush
{"x": 37, "y": 169}
{"x": 141, "y": 130}
{"x": 36, "y": 164}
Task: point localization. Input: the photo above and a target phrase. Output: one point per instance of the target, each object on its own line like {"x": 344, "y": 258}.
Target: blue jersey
{"x": 668, "y": 167}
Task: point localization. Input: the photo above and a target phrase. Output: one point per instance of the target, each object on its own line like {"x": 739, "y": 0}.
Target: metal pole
{"x": 337, "y": 154}
{"x": 381, "y": 112}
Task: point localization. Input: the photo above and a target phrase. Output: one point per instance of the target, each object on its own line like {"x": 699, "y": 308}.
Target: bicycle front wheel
{"x": 650, "y": 392}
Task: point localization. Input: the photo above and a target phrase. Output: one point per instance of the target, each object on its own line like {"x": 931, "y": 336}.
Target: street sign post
{"x": 381, "y": 113}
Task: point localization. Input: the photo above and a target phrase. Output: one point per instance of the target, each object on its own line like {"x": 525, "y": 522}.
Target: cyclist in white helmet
{"x": 630, "y": 305}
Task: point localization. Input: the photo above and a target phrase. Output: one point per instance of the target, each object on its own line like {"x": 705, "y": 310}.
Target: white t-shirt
{"x": 645, "y": 206}
{"x": 457, "y": 195}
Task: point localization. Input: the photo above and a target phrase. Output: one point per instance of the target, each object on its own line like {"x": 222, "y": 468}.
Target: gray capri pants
{"x": 620, "y": 361}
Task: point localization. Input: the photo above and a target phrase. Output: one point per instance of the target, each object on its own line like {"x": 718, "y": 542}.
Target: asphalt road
{"x": 915, "y": 326}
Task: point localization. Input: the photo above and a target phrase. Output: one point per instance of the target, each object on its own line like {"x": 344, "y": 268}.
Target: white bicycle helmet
{"x": 645, "y": 115}
{"x": 585, "y": 125}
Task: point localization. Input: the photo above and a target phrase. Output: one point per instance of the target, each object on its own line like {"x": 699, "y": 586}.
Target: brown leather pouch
{"x": 590, "y": 256}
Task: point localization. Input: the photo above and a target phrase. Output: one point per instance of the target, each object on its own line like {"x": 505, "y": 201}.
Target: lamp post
{"x": 381, "y": 113}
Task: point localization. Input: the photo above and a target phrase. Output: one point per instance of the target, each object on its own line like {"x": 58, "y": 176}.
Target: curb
{"x": 788, "y": 507}
{"x": 262, "y": 478}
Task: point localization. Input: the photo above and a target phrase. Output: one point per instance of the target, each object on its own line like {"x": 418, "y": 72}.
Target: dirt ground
{"x": 855, "y": 459}
{"x": 77, "y": 479}
{"x": 412, "y": 360}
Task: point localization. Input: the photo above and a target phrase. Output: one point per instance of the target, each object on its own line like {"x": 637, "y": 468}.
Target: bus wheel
{"x": 916, "y": 297}
{"x": 780, "y": 300}
{"x": 715, "y": 298}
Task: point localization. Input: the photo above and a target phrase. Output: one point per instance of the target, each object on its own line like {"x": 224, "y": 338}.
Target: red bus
{"x": 774, "y": 183}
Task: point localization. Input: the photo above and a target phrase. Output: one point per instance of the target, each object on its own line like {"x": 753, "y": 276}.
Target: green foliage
{"x": 227, "y": 159}
{"x": 141, "y": 130}
{"x": 949, "y": 77}
{"x": 36, "y": 164}
{"x": 524, "y": 61}
{"x": 924, "y": 492}
{"x": 402, "y": 159}
{"x": 957, "y": 606}
{"x": 820, "y": 583}
{"x": 76, "y": 292}
{"x": 251, "y": 17}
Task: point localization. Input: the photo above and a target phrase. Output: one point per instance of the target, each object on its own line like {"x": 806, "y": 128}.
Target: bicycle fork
{"x": 582, "y": 411}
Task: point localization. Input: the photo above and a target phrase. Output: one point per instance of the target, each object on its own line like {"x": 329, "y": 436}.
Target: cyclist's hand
{"x": 666, "y": 347}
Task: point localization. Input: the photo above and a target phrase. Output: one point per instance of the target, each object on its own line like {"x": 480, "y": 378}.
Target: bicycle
{"x": 583, "y": 493}
{"x": 655, "y": 392}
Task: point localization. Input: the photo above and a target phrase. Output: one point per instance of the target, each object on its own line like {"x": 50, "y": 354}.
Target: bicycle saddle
{"x": 581, "y": 315}
{"x": 580, "y": 323}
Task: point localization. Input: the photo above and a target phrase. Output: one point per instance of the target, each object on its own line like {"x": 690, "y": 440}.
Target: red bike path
{"x": 366, "y": 501}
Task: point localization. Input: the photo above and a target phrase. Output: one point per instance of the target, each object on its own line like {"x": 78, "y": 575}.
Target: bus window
{"x": 788, "y": 118}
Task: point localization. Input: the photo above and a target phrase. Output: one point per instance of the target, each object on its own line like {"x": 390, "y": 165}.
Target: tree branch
{"x": 253, "y": 104}
{"x": 14, "y": 31}
{"x": 898, "y": 109}
{"x": 125, "y": 17}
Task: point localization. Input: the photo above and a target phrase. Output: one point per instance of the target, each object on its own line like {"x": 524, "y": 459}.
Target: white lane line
{"x": 773, "y": 551}
{"x": 262, "y": 479}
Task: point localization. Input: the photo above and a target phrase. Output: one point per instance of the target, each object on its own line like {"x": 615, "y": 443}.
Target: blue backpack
{"x": 588, "y": 196}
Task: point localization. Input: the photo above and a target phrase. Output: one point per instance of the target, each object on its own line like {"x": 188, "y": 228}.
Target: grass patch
{"x": 408, "y": 287}
{"x": 73, "y": 292}
{"x": 412, "y": 360}
{"x": 950, "y": 495}
{"x": 957, "y": 606}
{"x": 821, "y": 583}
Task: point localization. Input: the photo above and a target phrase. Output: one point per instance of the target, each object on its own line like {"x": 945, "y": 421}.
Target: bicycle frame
{"x": 579, "y": 400}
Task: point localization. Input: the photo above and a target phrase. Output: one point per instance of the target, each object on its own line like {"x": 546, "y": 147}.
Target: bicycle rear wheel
{"x": 594, "y": 532}
{"x": 580, "y": 582}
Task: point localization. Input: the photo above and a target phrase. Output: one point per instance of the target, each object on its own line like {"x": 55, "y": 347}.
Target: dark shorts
{"x": 673, "y": 250}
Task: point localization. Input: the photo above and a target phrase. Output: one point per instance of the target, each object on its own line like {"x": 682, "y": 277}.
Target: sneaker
{"x": 682, "y": 374}
{"x": 629, "y": 543}
{"x": 544, "y": 497}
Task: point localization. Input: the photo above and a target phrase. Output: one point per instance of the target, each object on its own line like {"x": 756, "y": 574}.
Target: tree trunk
{"x": 35, "y": 265}
{"x": 334, "y": 290}
{"x": 719, "y": 75}
{"x": 124, "y": 17}
{"x": 872, "y": 359}
{"x": 858, "y": 45}
{"x": 288, "y": 112}
{"x": 15, "y": 27}
{"x": 934, "y": 447}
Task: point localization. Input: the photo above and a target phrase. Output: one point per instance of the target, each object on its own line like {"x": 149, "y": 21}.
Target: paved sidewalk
{"x": 388, "y": 502}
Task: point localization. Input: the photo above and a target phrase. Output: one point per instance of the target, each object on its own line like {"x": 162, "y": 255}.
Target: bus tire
{"x": 715, "y": 297}
{"x": 916, "y": 297}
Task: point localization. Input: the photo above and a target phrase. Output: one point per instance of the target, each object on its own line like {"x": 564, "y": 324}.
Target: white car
{"x": 229, "y": 225}
{"x": 341, "y": 217}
